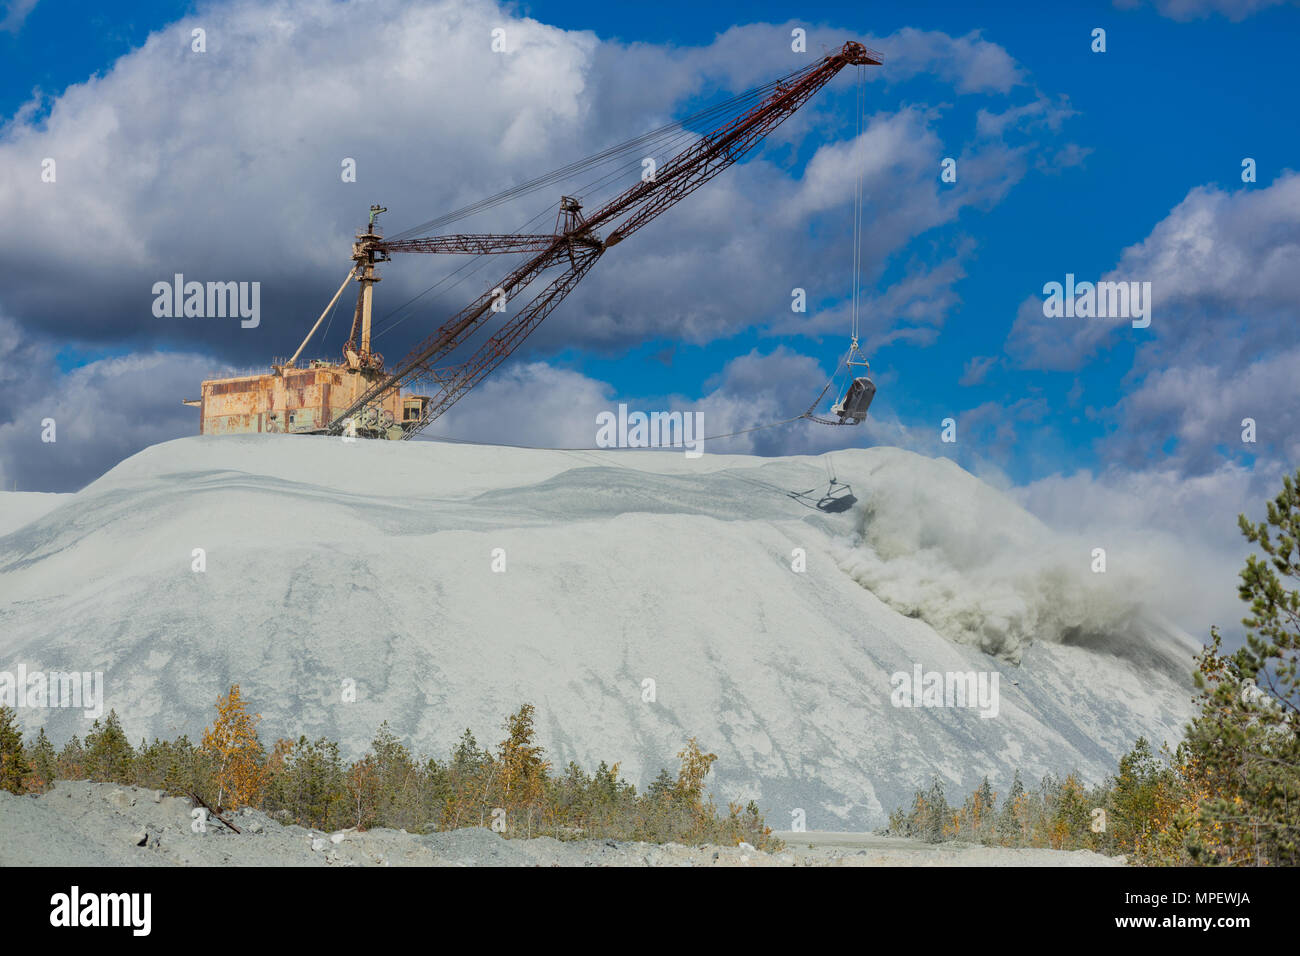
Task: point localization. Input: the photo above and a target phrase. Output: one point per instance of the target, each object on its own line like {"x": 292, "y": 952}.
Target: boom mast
{"x": 573, "y": 249}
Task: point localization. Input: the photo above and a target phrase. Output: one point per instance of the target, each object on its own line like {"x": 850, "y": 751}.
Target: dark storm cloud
{"x": 101, "y": 412}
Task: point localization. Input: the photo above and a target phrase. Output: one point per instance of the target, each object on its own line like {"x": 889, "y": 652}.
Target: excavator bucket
{"x": 852, "y": 409}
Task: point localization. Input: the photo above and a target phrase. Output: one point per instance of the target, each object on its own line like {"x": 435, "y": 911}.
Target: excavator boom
{"x": 573, "y": 250}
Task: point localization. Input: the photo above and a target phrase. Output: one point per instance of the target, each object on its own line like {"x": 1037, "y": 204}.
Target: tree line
{"x": 512, "y": 788}
{"x": 1228, "y": 794}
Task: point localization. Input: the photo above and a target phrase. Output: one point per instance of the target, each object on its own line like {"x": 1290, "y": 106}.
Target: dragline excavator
{"x": 361, "y": 396}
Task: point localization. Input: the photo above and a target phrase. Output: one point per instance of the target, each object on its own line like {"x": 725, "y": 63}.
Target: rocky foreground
{"x": 99, "y": 824}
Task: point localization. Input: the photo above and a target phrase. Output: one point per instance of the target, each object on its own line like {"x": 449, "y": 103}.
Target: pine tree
{"x": 1071, "y": 819}
{"x": 662, "y": 786}
{"x": 185, "y": 768}
{"x": 985, "y": 809}
{"x": 309, "y": 783}
{"x": 14, "y": 767}
{"x": 398, "y": 803}
{"x": 521, "y": 759}
{"x": 461, "y": 790}
{"x": 109, "y": 755}
{"x": 43, "y": 760}
{"x": 937, "y": 814}
{"x": 916, "y": 818}
{"x": 1133, "y": 796}
{"x": 468, "y": 758}
{"x": 1010, "y": 823}
{"x": 72, "y": 760}
{"x": 1245, "y": 735}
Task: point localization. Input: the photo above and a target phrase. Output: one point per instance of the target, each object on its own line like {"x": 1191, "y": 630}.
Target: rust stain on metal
{"x": 291, "y": 400}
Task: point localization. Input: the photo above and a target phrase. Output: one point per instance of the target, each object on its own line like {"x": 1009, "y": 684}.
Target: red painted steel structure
{"x": 575, "y": 247}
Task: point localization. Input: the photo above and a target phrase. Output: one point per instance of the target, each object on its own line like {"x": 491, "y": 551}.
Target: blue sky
{"x": 1122, "y": 164}
{"x": 1169, "y": 106}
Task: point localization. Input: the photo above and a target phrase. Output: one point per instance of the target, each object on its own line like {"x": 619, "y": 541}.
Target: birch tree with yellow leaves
{"x": 238, "y": 754}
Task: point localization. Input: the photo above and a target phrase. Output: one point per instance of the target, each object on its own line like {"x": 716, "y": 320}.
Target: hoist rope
{"x": 857, "y": 205}
{"x": 737, "y": 104}
{"x": 480, "y": 261}
{"x": 668, "y": 139}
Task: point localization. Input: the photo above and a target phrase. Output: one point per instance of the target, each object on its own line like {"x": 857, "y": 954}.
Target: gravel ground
{"x": 98, "y": 824}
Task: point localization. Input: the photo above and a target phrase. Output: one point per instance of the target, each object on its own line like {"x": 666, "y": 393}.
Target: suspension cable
{"x": 737, "y": 104}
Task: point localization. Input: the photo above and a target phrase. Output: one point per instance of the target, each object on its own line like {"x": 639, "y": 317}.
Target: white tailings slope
{"x": 17, "y": 508}
{"x": 330, "y": 562}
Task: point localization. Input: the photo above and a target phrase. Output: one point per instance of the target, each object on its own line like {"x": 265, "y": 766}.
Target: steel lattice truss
{"x": 575, "y": 247}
